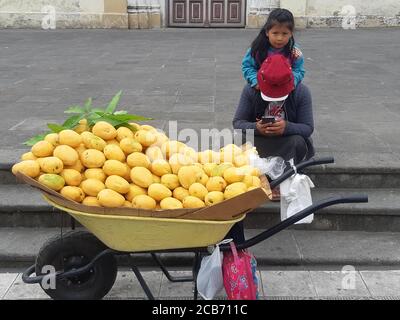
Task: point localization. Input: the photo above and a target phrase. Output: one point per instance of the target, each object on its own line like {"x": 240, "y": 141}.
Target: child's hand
{"x": 257, "y": 87}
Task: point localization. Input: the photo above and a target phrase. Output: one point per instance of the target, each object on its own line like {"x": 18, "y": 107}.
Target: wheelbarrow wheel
{"x": 73, "y": 250}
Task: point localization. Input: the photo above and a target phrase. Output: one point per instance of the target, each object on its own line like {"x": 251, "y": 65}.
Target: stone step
{"x": 19, "y": 247}
{"x": 23, "y": 206}
{"x": 381, "y": 213}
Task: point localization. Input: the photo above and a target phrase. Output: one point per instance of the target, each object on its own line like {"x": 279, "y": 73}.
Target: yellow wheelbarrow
{"x": 84, "y": 263}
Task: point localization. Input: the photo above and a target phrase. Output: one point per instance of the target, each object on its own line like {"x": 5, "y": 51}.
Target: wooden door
{"x": 206, "y": 13}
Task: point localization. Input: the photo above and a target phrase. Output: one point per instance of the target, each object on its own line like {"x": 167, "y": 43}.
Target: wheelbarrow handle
{"x": 357, "y": 198}
{"x": 300, "y": 166}
{"x": 360, "y": 198}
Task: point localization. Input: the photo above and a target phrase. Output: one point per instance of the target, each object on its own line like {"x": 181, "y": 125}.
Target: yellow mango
{"x": 72, "y": 177}
{"x": 110, "y": 198}
{"x": 170, "y": 147}
{"x": 214, "y": 197}
{"x": 52, "y": 181}
{"x": 160, "y": 167}
{"x": 66, "y": 154}
{"x": 180, "y": 193}
{"x": 188, "y": 175}
{"x": 178, "y": 160}
{"x": 115, "y": 167}
{"x": 95, "y": 173}
{"x": 142, "y": 177}
{"x": 192, "y": 202}
{"x": 232, "y": 175}
{"x": 216, "y": 184}
{"x": 118, "y": 184}
{"x": 104, "y": 130}
{"x": 134, "y": 191}
{"x": 73, "y": 193}
{"x": 198, "y": 190}
{"x": 92, "y": 187}
{"x": 42, "y": 149}
{"x": 92, "y": 158}
{"x": 154, "y": 153}
{"x": 78, "y": 166}
{"x": 114, "y": 152}
{"x": 124, "y": 132}
{"x": 52, "y": 138}
{"x": 170, "y": 203}
{"x": 143, "y": 201}
{"x": 138, "y": 159}
{"x": 51, "y": 165}
{"x": 158, "y": 191}
{"x": 130, "y": 145}
{"x": 234, "y": 190}
{"x": 145, "y": 138}
{"x": 69, "y": 138}
{"x": 30, "y": 168}
{"x": 91, "y": 201}
{"x": 171, "y": 181}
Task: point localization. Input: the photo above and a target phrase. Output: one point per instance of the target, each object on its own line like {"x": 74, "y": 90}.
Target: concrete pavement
{"x": 277, "y": 284}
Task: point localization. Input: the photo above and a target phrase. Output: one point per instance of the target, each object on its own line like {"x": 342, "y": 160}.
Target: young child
{"x": 275, "y": 37}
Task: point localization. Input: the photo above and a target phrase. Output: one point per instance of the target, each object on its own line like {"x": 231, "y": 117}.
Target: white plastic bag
{"x": 296, "y": 196}
{"x": 273, "y": 167}
{"x": 209, "y": 278}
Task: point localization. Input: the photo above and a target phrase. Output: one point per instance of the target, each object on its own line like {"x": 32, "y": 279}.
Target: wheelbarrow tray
{"x": 226, "y": 210}
{"x": 134, "y": 233}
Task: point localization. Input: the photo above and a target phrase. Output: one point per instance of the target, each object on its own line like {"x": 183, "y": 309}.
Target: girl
{"x": 275, "y": 37}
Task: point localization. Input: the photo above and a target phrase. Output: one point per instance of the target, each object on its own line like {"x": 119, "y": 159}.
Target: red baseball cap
{"x": 275, "y": 78}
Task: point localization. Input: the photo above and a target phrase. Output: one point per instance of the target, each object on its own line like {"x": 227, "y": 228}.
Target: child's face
{"x": 279, "y": 35}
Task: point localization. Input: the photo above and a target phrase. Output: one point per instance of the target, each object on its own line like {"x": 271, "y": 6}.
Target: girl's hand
{"x": 257, "y": 87}
{"x": 276, "y": 129}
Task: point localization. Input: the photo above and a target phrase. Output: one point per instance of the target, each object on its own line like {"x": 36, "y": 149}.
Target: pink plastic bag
{"x": 238, "y": 276}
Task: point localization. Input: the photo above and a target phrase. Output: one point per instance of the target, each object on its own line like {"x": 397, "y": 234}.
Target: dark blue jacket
{"x": 298, "y": 109}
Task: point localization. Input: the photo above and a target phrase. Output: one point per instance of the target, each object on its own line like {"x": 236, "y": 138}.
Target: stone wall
{"x": 50, "y": 14}
{"x": 344, "y": 13}
{"x": 144, "y": 14}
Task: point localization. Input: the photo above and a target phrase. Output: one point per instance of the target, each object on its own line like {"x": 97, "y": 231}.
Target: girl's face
{"x": 279, "y": 35}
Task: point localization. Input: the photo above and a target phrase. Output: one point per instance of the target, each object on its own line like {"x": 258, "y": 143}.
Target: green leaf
{"x": 114, "y": 102}
{"x": 75, "y": 109}
{"x": 55, "y": 127}
{"x": 92, "y": 118}
{"x": 98, "y": 110}
{"x": 127, "y": 125}
{"x": 88, "y": 104}
{"x": 73, "y": 121}
{"x": 120, "y": 112}
{"x": 110, "y": 119}
{"x": 126, "y": 117}
{"x": 30, "y": 142}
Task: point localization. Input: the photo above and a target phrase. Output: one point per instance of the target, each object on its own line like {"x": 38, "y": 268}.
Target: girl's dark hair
{"x": 261, "y": 44}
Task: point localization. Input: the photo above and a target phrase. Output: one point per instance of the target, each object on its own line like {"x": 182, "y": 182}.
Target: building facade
{"x": 145, "y": 14}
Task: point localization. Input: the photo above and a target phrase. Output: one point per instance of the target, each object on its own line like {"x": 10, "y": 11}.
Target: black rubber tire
{"x": 76, "y": 249}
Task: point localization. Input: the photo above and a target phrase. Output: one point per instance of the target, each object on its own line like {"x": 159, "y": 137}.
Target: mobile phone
{"x": 268, "y": 119}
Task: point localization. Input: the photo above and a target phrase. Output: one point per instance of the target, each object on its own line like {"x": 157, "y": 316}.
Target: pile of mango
{"x": 137, "y": 167}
